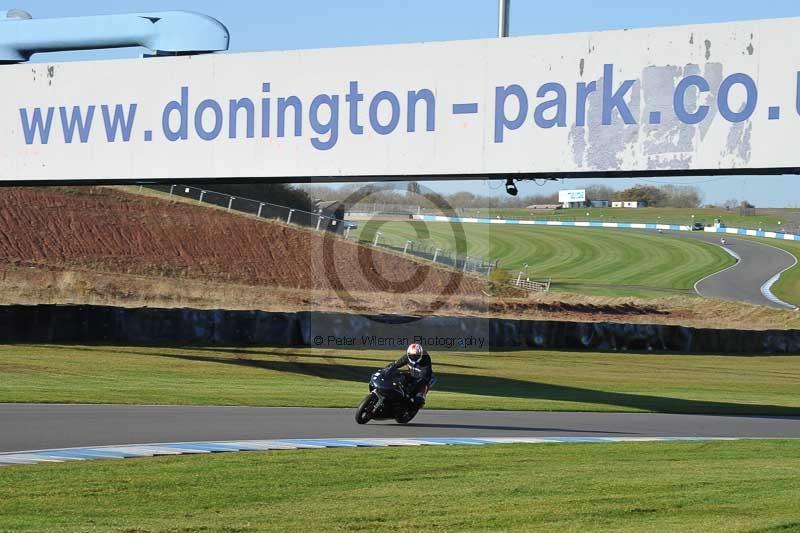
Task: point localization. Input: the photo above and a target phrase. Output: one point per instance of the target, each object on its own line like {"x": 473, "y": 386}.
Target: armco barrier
{"x": 611, "y": 225}
{"x": 755, "y": 233}
{"x": 577, "y": 224}
{"x": 52, "y": 324}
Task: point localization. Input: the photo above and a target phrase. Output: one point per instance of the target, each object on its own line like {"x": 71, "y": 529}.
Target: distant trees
{"x": 273, "y": 193}
{"x": 413, "y": 192}
{"x": 682, "y": 196}
{"x": 734, "y": 204}
{"x": 662, "y": 196}
{"x": 731, "y": 204}
{"x": 536, "y": 199}
{"x": 600, "y": 192}
{"x": 650, "y": 195}
{"x": 464, "y": 199}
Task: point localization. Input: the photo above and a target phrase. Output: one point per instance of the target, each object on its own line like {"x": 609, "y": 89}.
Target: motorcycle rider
{"x": 420, "y": 370}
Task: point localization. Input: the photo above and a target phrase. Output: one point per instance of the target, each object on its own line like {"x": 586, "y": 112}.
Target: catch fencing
{"x": 346, "y": 229}
{"x": 252, "y": 207}
{"x": 442, "y": 256}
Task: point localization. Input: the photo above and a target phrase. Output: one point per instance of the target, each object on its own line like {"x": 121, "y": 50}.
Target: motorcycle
{"x": 390, "y": 396}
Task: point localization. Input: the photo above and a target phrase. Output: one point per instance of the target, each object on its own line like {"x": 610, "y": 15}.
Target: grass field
{"x": 731, "y": 486}
{"x": 594, "y": 261}
{"x": 332, "y": 378}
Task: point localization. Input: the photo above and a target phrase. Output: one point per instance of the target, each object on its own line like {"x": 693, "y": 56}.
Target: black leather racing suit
{"x": 421, "y": 373}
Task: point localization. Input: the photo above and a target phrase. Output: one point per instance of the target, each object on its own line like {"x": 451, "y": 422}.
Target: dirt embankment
{"x": 107, "y": 231}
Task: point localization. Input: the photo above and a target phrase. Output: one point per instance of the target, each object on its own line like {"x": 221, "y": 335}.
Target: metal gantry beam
{"x": 172, "y": 32}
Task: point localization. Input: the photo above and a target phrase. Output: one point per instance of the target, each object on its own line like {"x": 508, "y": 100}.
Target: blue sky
{"x": 291, "y": 24}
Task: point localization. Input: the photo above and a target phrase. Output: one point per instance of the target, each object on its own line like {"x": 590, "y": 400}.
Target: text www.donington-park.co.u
{"x": 327, "y": 116}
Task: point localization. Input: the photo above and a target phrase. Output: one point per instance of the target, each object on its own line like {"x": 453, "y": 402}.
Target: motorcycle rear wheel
{"x": 364, "y": 411}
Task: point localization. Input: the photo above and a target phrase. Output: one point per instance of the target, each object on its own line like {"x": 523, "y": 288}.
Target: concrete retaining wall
{"x": 48, "y": 324}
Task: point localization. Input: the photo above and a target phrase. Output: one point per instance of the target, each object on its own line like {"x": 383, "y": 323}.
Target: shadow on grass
{"x": 243, "y": 353}
{"x": 509, "y": 388}
{"x": 381, "y": 362}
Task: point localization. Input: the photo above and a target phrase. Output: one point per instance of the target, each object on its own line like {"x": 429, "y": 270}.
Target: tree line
{"x": 307, "y": 197}
{"x": 654, "y": 196}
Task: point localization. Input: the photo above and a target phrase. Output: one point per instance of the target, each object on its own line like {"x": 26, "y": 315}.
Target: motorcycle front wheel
{"x": 364, "y": 412}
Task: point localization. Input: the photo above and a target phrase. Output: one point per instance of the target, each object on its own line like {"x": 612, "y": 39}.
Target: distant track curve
{"x": 750, "y": 280}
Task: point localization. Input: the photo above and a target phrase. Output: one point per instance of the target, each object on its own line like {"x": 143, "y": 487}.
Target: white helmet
{"x": 414, "y": 353}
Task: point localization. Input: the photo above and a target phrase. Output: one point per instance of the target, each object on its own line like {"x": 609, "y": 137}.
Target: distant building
{"x": 629, "y": 205}
{"x": 577, "y": 199}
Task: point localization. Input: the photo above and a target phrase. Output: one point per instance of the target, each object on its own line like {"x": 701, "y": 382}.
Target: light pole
{"x": 504, "y": 18}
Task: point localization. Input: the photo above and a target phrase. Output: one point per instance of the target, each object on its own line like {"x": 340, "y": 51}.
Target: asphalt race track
{"x": 36, "y": 427}
{"x": 758, "y": 264}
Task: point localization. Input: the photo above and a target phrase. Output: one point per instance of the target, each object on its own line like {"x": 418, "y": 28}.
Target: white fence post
{"x": 289, "y": 219}
{"x": 405, "y": 248}
{"x": 319, "y": 222}
{"x": 347, "y": 233}
{"x": 171, "y": 189}
{"x": 436, "y": 254}
{"x": 377, "y": 236}
{"x": 260, "y": 207}
{"x": 230, "y": 202}
{"x": 202, "y": 193}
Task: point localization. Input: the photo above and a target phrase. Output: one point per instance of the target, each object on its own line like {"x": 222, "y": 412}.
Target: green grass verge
{"x": 731, "y": 486}
{"x": 522, "y": 380}
{"x": 587, "y": 260}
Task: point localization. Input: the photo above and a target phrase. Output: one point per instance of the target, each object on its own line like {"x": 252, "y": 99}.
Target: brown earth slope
{"x": 105, "y": 230}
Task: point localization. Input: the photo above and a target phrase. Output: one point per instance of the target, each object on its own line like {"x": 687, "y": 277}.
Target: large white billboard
{"x": 697, "y": 99}
{"x": 571, "y": 196}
